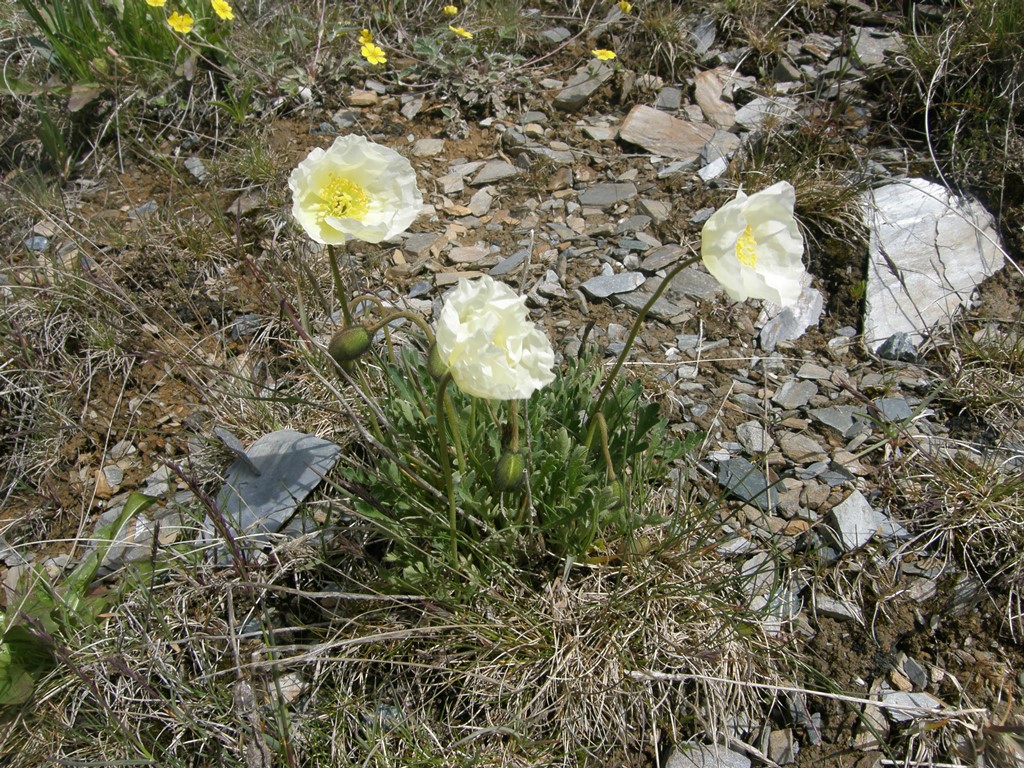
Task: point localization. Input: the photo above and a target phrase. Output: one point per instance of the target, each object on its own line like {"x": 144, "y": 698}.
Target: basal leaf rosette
{"x": 753, "y": 247}
{"x": 489, "y": 344}
{"x": 354, "y": 189}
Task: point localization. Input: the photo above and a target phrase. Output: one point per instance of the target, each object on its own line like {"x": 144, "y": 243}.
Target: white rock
{"x": 790, "y": 323}
{"x": 705, "y": 756}
{"x": 928, "y": 250}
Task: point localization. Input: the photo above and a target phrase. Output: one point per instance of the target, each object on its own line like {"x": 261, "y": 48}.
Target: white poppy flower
{"x": 488, "y": 342}
{"x": 753, "y": 247}
{"x": 354, "y": 189}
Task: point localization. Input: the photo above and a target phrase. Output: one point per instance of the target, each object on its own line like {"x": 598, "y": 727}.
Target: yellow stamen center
{"x": 343, "y": 199}
{"x": 746, "y": 249}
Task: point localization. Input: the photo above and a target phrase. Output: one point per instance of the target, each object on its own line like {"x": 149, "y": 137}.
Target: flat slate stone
{"x": 583, "y": 85}
{"x": 663, "y": 134}
{"x": 662, "y": 257}
{"x": 608, "y": 194}
{"x": 780, "y": 110}
{"x": 289, "y": 465}
{"x": 495, "y": 170}
{"x": 694, "y": 282}
{"x": 705, "y": 756}
{"x": 853, "y": 522}
{"x": 662, "y": 309}
{"x": 927, "y": 251}
{"x": 747, "y": 483}
{"x": 925, "y": 703}
{"x": 795, "y": 393}
{"x": 602, "y": 286}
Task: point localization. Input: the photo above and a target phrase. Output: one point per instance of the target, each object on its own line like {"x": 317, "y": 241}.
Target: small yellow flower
{"x": 603, "y": 54}
{"x": 223, "y": 9}
{"x": 450, "y": 10}
{"x": 156, "y": 3}
{"x": 365, "y": 38}
{"x": 181, "y": 22}
{"x": 625, "y": 6}
{"x": 461, "y": 32}
{"x": 373, "y": 54}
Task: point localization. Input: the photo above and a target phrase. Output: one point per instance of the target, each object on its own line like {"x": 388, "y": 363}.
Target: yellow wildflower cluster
{"x": 461, "y": 32}
{"x": 369, "y": 50}
{"x": 184, "y": 22}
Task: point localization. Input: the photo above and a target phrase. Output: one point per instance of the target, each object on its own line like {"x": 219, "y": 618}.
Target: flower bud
{"x": 349, "y": 344}
{"x": 510, "y": 472}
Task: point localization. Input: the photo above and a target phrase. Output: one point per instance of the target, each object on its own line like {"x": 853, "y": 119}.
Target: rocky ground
{"x": 584, "y": 183}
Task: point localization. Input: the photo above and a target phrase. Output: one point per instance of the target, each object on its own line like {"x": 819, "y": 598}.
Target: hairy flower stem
{"x": 513, "y": 421}
{"x": 444, "y": 405}
{"x": 339, "y": 286}
{"x": 610, "y": 381}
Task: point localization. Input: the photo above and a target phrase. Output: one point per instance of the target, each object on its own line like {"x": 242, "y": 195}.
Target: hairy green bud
{"x": 348, "y": 344}
{"x": 510, "y": 472}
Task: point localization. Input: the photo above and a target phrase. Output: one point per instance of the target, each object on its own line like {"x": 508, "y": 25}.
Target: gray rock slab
{"x": 870, "y": 46}
{"x": 582, "y": 86}
{"x": 663, "y": 134}
{"x": 754, "y": 437}
{"x": 920, "y": 705}
{"x": 556, "y": 35}
{"x": 853, "y": 522}
{"x": 748, "y": 483}
{"x": 602, "y": 286}
{"x": 662, "y": 309}
{"x": 795, "y": 393}
{"x": 899, "y": 347}
{"x": 428, "y": 147}
{"x": 840, "y": 418}
{"x": 927, "y": 251}
{"x": 669, "y": 98}
{"x": 705, "y": 756}
{"x": 894, "y": 408}
{"x": 662, "y": 257}
{"x": 721, "y": 146}
{"x": 801, "y": 449}
{"x": 783, "y": 746}
{"x": 289, "y": 465}
{"x": 658, "y": 210}
{"x": 694, "y": 282}
{"x": 494, "y": 170}
{"x": 420, "y": 243}
{"x": 608, "y": 194}
{"x": 840, "y": 610}
{"x": 764, "y": 110}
